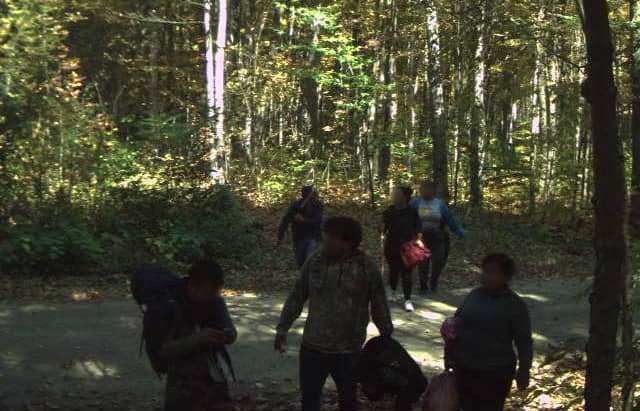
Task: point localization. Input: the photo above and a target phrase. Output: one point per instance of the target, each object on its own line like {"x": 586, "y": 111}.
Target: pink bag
{"x": 413, "y": 253}
{"x": 442, "y": 394}
{"x": 451, "y": 328}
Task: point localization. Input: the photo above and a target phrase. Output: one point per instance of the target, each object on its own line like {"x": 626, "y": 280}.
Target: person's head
{"x": 401, "y": 196}
{"x": 427, "y": 189}
{"x": 307, "y": 191}
{"x": 342, "y": 236}
{"x": 205, "y": 281}
{"x": 497, "y": 271}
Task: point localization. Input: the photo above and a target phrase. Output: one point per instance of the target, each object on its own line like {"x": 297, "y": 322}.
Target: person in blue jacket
{"x": 305, "y": 217}
{"x": 434, "y": 215}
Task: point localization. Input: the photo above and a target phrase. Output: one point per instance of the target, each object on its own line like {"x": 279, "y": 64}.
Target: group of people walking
{"x": 187, "y": 334}
{"x": 342, "y": 285}
{"x": 424, "y": 219}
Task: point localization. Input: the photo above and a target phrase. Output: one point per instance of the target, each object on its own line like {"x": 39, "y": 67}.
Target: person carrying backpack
{"x": 186, "y": 328}
{"x": 344, "y": 289}
{"x": 305, "y": 218}
{"x": 400, "y": 224}
{"x": 434, "y": 215}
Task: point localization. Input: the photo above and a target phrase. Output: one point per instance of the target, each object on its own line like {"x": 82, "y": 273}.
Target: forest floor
{"x": 71, "y": 343}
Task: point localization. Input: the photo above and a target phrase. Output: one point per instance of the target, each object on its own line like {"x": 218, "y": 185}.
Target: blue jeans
{"x": 315, "y": 367}
{"x": 303, "y": 249}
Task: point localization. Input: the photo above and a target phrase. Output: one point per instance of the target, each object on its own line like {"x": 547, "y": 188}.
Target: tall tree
{"x": 609, "y": 201}
{"x": 436, "y": 113}
{"x": 629, "y": 382}
{"x": 215, "y": 85}
{"x": 634, "y": 64}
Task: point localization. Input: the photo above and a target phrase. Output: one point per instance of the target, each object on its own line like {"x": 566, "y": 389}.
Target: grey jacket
{"x": 492, "y": 323}
{"x": 341, "y": 297}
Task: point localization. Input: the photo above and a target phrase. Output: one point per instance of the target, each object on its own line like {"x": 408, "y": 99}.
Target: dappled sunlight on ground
{"x": 535, "y": 297}
{"x": 10, "y": 359}
{"x": 36, "y": 308}
{"x": 93, "y": 369}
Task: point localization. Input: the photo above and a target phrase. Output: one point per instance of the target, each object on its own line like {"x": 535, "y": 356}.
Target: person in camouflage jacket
{"x": 344, "y": 288}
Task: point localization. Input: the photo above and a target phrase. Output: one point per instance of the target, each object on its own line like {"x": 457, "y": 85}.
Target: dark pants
{"x": 194, "y": 394}
{"x": 303, "y": 248}
{"x": 438, "y": 244}
{"x": 315, "y": 367}
{"x": 484, "y": 390}
{"x": 407, "y": 281}
{"x": 397, "y": 270}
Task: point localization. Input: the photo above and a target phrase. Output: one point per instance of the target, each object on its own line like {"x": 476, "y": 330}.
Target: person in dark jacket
{"x": 401, "y": 224}
{"x": 344, "y": 289}
{"x": 190, "y": 334}
{"x": 305, "y": 218}
{"x": 492, "y": 319}
{"x": 435, "y": 215}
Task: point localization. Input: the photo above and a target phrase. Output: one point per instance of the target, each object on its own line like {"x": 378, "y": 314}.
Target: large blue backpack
{"x": 153, "y": 287}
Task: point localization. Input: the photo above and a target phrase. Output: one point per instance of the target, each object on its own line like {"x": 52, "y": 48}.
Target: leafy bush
{"x": 130, "y": 227}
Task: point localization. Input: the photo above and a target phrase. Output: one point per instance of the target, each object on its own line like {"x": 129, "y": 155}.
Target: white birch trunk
{"x": 214, "y": 66}
{"x": 219, "y": 83}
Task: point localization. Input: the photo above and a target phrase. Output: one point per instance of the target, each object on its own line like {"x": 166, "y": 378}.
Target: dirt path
{"x": 85, "y": 355}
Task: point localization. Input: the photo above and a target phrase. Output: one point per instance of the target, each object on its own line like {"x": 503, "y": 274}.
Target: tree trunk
{"x": 480, "y": 107}
{"x": 214, "y": 156}
{"x": 609, "y": 204}
{"x": 437, "y": 114}
{"x": 634, "y": 216}
{"x": 628, "y": 359}
{"x": 221, "y": 39}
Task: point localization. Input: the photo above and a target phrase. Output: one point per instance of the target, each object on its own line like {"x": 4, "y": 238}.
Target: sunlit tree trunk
{"x": 609, "y": 204}
{"x": 214, "y": 66}
{"x": 533, "y": 151}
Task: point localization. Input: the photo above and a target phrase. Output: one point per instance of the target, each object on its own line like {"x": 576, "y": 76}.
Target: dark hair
{"x": 346, "y": 228}
{"x": 306, "y": 190}
{"x": 406, "y": 191}
{"x": 207, "y": 271}
{"x": 506, "y": 263}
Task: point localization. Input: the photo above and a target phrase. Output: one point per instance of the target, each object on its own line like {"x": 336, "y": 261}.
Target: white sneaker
{"x": 391, "y": 295}
{"x": 408, "y": 306}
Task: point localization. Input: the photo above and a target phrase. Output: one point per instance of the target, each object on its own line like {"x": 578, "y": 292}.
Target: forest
{"x": 158, "y": 130}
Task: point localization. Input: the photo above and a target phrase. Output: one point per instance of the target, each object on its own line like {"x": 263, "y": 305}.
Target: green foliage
{"x": 132, "y": 226}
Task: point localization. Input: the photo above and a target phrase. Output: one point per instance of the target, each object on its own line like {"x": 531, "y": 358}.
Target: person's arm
{"x": 230, "y": 332}
{"x": 386, "y": 222}
{"x": 295, "y": 302}
{"x": 521, "y": 325}
{"x": 177, "y": 348}
{"x": 160, "y": 329}
{"x": 287, "y": 219}
{"x": 378, "y": 300}
{"x": 417, "y": 224}
{"x": 450, "y": 346}
{"x": 447, "y": 216}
